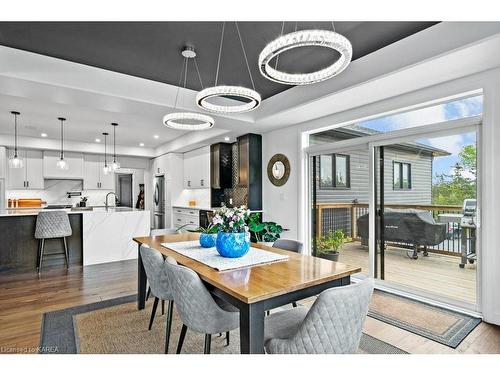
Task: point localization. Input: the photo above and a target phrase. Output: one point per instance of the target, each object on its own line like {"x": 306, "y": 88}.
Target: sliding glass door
{"x": 426, "y": 205}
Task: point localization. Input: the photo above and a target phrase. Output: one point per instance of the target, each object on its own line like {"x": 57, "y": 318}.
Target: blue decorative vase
{"x": 207, "y": 240}
{"x": 232, "y": 245}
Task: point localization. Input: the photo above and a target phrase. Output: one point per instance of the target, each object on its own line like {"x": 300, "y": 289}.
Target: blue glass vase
{"x": 207, "y": 240}
{"x": 232, "y": 245}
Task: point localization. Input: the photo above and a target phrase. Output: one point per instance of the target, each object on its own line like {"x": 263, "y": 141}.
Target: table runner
{"x": 211, "y": 258}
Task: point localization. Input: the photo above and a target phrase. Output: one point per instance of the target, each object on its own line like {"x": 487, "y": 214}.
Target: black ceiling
{"x": 151, "y": 50}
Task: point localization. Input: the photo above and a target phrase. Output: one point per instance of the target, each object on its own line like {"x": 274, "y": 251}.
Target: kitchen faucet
{"x": 107, "y": 195}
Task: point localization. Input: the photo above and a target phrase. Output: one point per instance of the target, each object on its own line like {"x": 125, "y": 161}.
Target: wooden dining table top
{"x": 259, "y": 282}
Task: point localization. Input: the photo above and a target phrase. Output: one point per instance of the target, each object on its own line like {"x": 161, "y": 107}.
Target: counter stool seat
{"x": 52, "y": 224}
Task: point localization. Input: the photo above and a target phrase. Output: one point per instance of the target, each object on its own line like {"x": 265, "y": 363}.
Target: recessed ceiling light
{"x": 226, "y": 139}
{"x": 44, "y": 135}
{"x": 156, "y": 136}
{"x": 97, "y": 140}
{"x": 141, "y": 144}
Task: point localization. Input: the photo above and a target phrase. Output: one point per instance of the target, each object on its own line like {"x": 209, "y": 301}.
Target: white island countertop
{"x": 36, "y": 211}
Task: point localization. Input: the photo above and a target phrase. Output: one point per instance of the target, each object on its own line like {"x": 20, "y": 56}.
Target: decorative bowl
{"x": 207, "y": 240}
{"x": 232, "y": 245}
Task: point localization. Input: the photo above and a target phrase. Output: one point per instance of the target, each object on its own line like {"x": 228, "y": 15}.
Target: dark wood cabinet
{"x": 250, "y": 168}
{"x": 221, "y": 166}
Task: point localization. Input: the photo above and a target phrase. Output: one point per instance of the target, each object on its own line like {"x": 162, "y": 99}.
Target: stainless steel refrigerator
{"x": 159, "y": 202}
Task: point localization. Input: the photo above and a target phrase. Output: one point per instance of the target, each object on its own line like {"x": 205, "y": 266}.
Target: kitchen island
{"x": 99, "y": 235}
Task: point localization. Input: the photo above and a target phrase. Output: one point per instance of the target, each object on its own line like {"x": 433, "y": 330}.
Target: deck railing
{"x": 333, "y": 216}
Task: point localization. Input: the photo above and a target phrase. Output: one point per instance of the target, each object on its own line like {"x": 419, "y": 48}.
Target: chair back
{"x": 290, "y": 245}
{"x": 52, "y": 224}
{"x": 334, "y": 323}
{"x": 163, "y": 232}
{"x": 154, "y": 265}
{"x": 195, "y": 305}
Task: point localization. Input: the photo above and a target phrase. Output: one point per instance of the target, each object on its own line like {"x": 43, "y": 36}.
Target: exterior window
{"x": 334, "y": 171}
{"x": 402, "y": 176}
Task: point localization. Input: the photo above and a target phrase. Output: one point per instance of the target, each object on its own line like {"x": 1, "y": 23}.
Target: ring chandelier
{"x": 250, "y": 98}
{"x": 305, "y": 38}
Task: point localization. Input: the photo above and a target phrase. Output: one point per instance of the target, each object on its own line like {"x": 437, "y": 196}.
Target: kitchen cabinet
{"x": 94, "y": 177}
{"x": 186, "y": 216}
{"x": 221, "y": 166}
{"x": 250, "y": 168}
{"x": 197, "y": 168}
{"x": 30, "y": 176}
{"x": 75, "y": 165}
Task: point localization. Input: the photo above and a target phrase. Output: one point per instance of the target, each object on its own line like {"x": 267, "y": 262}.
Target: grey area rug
{"x": 442, "y": 325}
{"x": 61, "y": 333}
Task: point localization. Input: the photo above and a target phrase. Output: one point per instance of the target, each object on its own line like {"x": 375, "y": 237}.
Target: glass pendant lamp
{"x": 15, "y": 161}
{"x": 62, "y": 163}
{"x": 114, "y": 165}
{"x": 107, "y": 168}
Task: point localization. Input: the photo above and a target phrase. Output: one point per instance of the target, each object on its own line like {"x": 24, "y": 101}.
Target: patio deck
{"x": 437, "y": 273}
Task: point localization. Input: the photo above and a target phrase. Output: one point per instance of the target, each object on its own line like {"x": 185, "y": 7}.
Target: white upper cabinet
{"x": 30, "y": 176}
{"x": 75, "y": 162}
{"x": 94, "y": 177}
{"x": 197, "y": 168}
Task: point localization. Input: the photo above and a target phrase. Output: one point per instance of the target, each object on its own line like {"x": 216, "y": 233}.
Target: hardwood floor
{"x": 24, "y": 297}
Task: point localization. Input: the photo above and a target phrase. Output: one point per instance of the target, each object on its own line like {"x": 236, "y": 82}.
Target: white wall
{"x": 280, "y": 203}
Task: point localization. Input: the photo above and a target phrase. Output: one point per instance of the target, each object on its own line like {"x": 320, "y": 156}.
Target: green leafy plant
{"x": 331, "y": 243}
{"x": 263, "y": 231}
{"x": 210, "y": 229}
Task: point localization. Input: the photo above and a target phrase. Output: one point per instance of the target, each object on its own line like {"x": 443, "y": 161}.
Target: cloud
{"x": 451, "y": 143}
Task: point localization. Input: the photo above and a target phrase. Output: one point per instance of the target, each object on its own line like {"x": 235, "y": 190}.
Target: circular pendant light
{"x": 62, "y": 163}
{"x": 244, "y": 99}
{"x": 187, "y": 120}
{"x": 114, "y": 165}
{"x": 15, "y": 161}
{"x": 305, "y": 38}
{"x": 250, "y": 97}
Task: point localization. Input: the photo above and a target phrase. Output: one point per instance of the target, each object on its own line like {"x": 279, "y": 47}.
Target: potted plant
{"x": 330, "y": 245}
{"x": 264, "y": 231}
{"x": 208, "y": 235}
{"x": 233, "y": 238}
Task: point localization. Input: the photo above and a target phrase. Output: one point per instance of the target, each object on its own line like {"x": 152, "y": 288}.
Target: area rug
{"x": 116, "y": 326}
{"x": 435, "y": 323}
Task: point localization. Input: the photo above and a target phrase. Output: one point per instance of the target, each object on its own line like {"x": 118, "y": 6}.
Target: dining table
{"x": 255, "y": 289}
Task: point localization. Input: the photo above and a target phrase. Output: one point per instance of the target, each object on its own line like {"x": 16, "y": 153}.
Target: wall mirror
{"x": 278, "y": 169}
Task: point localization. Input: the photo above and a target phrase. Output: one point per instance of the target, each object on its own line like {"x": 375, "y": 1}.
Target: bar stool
{"x": 52, "y": 224}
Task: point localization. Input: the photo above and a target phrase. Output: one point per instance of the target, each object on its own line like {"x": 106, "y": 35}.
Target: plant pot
{"x": 330, "y": 256}
{"x": 270, "y": 244}
{"x": 232, "y": 245}
{"x": 207, "y": 240}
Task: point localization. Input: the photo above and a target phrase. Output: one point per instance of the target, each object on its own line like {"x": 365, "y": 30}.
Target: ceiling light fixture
{"x": 251, "y": 99}
{"x": 141, "y": 144}
{"x": 43, "y": 135}
{"x": 62, "y": 163}
{"x": 106, "y": 169}
{"x": 15, "y": 161}
{"x": 187, "y": 120}
{"x": 114, "y": 165}
{"x": 305, "y": 38}
{"x": 98, "y": 140}
{"x": 156, "y": 136}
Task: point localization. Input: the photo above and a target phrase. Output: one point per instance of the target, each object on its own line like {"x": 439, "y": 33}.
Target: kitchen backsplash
{"x": 55, "y": 192}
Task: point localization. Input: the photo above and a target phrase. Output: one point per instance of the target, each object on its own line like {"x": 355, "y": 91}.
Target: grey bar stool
{"x": 52, "y": 224}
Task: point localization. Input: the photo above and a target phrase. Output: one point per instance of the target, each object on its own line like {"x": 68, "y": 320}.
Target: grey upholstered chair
{"x": 164, "y": 232}
{"x": 333, "y": 324}
{"x": 52, "y": 224}
{"x": 197, "y": 308}
{"x": 154, "y": 265}
{"x": 290, "y": 245}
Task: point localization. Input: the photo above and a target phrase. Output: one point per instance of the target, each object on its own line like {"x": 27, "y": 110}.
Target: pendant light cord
{"x": 333, "y": 27}
{"x": 114, "y": 144}
{"x": 220, "y": 52}
{"x": 105, "y": 151}
{"x": 281, "y": 34}
{"x": 15, "y": 135}
{"x": 198, "y": 71}
{"x": 245, "y": 55}
{"x": 179, "y": 84}
{"x": 62, "y": 142}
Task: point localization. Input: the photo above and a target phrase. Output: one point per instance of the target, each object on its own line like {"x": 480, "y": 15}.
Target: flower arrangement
{"x": 231, "y": 220}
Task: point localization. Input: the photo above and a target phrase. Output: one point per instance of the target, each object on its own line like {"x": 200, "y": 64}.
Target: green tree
{"x": 452, "y": 189}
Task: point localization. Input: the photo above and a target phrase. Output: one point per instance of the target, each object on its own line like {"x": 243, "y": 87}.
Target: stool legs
{"x": 66, "y": 252}
{"x": 40, "y": 257}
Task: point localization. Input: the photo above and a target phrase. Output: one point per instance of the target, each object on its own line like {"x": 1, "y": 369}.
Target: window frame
{"x": 334, "y": 186}
{"x": 401, "y": 179}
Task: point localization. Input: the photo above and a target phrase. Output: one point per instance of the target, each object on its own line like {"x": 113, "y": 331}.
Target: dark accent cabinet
{"x": 250, "y": 168}
{"x": 221, "y": 166}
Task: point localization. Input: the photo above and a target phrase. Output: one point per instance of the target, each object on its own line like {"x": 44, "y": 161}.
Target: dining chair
{"x": 290, "y": 245}
{"x": 154, "y": 265}
{"x": 333, "y": 325}
{"x": 197, "y": 308}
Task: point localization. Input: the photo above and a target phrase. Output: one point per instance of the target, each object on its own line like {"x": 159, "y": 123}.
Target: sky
{"x": 453, "y": 144}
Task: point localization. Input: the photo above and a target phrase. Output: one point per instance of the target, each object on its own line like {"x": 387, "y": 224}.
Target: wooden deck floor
{"x": 439, "y": 274}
